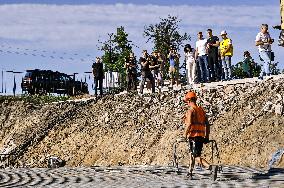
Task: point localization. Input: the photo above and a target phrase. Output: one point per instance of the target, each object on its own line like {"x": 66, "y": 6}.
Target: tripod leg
{"x": 218, "y": 157}
{"x": 192, "y": 165}
{"x": 175, "y": 158}
{"x": 192, "y": 159}
{"x": 212, "y": 152}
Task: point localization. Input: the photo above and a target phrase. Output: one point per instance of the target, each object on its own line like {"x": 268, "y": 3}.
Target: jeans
{"x": 266, "y": 57}
{"x": 227, "y": 67}
{"x": 98, "y": 82}
{"x": 148, "y": 75}
{"x": 203, "y": 66}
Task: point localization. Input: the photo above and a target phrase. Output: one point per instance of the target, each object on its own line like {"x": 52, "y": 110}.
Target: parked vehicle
{"x": 47, "y": 81}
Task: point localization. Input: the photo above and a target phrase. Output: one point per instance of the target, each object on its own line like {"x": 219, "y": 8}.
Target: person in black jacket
{"x": 131, "y": 72}
{"x": 215, "y": 70}
{"x": 98, "y": 72}
{"x": 145, "y": 61}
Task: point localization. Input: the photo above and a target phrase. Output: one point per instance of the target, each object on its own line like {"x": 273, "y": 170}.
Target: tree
{"x": 116, "y": 49}
{"x": 165, "y": 35}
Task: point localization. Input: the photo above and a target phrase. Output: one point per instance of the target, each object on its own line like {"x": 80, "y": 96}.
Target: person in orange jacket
{"x": 197, "y": 130}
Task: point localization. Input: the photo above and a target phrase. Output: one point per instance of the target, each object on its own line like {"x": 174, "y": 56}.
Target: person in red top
{"x": 197, "y": 131}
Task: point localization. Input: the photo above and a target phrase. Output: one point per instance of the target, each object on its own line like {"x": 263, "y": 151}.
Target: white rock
{"x": 268, "y": 106}
{"x": 279, "y": 109}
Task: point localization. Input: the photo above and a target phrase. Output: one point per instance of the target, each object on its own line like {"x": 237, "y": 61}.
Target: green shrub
{"x": 35, "y": 99}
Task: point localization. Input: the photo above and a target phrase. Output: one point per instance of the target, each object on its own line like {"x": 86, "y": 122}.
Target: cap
{"x": 223, "y": 33}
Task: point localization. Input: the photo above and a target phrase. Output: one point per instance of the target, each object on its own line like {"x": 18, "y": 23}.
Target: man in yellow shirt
{"x": 226, "y": 52}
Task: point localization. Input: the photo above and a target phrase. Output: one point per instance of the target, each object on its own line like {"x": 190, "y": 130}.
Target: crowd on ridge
{"x": 210, "y": 61}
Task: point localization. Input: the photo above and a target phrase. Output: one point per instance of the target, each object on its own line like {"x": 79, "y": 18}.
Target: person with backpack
{"x": 247, "y": 65}
{"x": 197, "y": 130}
{"x": 98, "y": 72}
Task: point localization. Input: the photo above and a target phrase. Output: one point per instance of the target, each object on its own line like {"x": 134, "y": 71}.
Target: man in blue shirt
{"x": 173, "y": 57}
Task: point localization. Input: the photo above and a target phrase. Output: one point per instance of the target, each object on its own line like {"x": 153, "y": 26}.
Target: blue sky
{"x": 63, "y": 35}
{"x": 157, "y": 2}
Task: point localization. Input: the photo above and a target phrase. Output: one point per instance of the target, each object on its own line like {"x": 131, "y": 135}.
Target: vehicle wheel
{"x": 31, "y": 92}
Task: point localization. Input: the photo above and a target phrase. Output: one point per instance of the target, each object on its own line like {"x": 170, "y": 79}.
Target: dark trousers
{"x": 98, "y": 82}
{"x": 146, "y": 75}
{"x": 131, "y": 82}
{"x": 215, "y": 70}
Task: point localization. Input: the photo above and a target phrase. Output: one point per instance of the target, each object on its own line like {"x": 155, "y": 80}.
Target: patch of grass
{"x": 35, "y": 99}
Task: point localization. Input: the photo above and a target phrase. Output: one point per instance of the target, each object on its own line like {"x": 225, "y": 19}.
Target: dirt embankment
{"x": 132, "y": 130}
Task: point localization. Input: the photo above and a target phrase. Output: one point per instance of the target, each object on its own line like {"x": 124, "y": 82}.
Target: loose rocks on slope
{"x": 131, "y": 129}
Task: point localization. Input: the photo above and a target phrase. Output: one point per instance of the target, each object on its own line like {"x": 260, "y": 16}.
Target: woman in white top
{"x": 189, "y": 54}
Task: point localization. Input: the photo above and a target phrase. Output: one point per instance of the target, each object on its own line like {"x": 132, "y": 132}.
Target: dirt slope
{"x": 132, "y": 130}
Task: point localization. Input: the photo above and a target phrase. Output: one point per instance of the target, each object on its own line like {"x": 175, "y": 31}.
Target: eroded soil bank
{"x": 131, "y": 130}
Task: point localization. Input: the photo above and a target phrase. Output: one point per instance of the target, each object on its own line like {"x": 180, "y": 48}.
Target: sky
{"x": 63, "y": 35}
{"x": 157, "y": 2}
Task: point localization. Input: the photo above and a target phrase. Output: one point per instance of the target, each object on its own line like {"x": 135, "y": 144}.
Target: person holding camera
{"x": 145, "y": 62}
{"x": 173, "y": 57}
{"x": 130, "y": 66}
{"x": 264, "y": 41}
{"x": 155, "y": 68}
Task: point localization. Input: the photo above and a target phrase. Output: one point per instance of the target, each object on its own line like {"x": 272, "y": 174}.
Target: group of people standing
{"x": 211, "y": 59}
{"x": 152, "y": 67}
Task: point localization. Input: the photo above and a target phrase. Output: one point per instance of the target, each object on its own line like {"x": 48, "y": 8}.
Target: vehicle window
{"x": 67, "y": 78}
{"x": 62, "y": 78}
{"x": 28, "y": 74}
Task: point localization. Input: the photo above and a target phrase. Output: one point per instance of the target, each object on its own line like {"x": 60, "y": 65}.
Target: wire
{"x": 8, "y": 49}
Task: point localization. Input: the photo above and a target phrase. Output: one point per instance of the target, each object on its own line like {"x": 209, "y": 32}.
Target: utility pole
{"x": 2, "y": 76}
{"x": 74, "y": 74}
{"x": 110, "y": 59}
